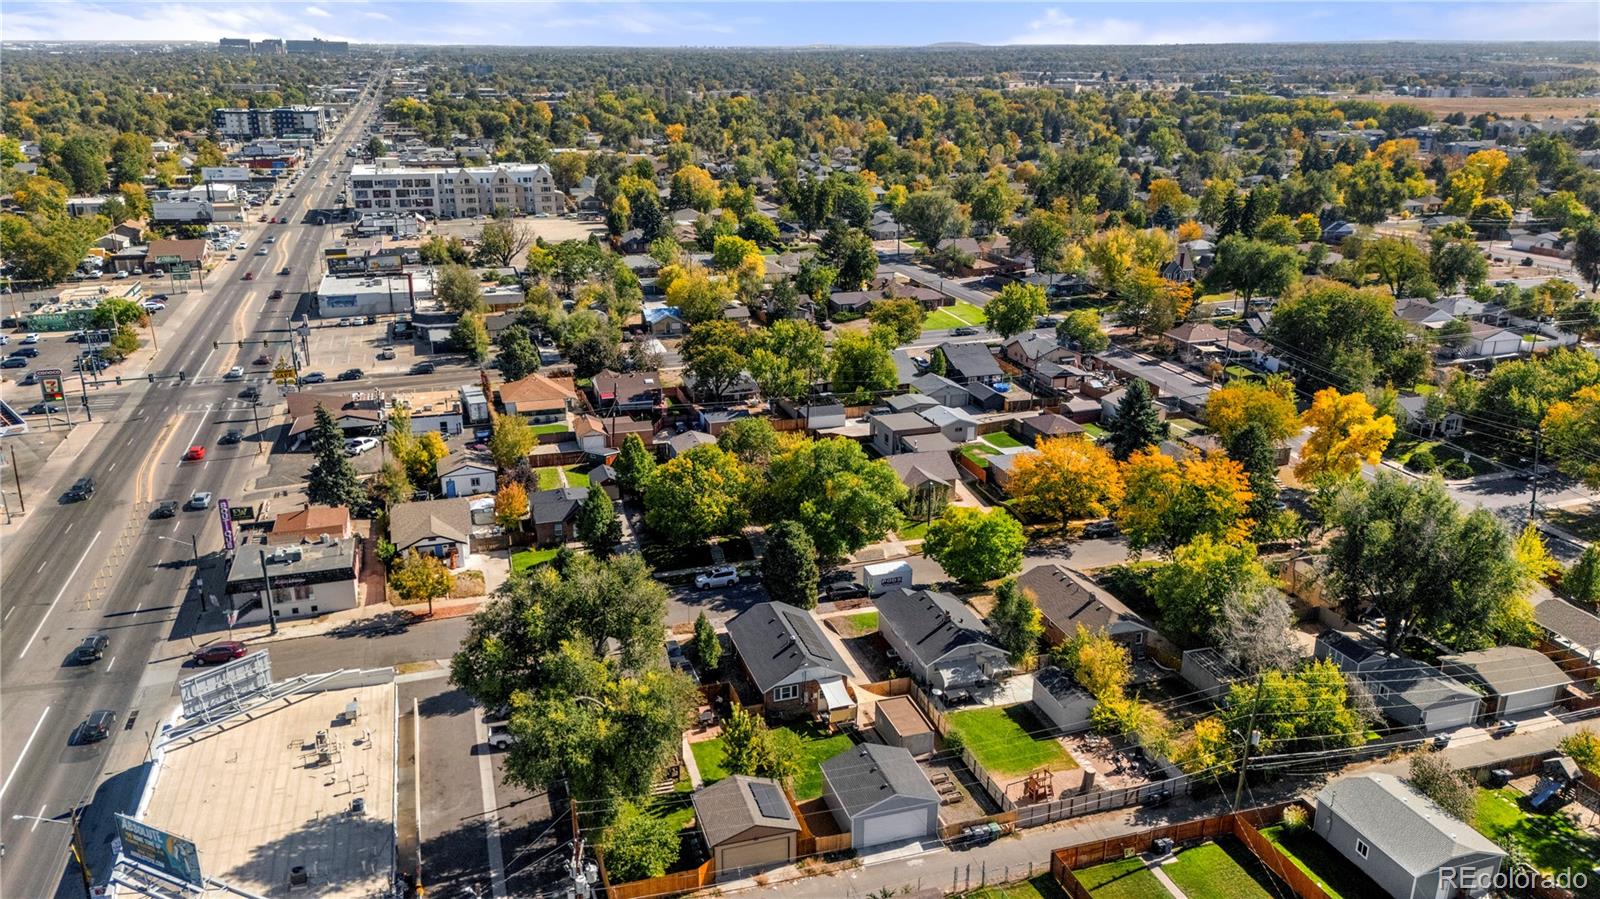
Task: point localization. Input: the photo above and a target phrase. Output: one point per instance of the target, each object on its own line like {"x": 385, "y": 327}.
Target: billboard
{"x": 225, "y": 512}
{"x": 165, "y": 854}
{"x": 225, "y": 685}
{"x": 50, "y": 384}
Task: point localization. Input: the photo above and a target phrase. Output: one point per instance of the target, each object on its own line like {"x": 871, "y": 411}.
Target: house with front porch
{"x": 797, "y": 669}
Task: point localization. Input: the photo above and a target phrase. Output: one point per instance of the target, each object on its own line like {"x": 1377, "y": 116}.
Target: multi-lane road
{"x": 103, "y": 566}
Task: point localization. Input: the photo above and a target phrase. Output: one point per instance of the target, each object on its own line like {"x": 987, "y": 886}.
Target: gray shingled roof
{"x": 1509, "y": 669}
{"x": 971, "y": 360}
{"x": 1401, "y": 824}
{"x": 728, "y": 808}
{"x": 1567, "y": 620}
{"x": 1418, "y": 685}
{"x": 1067, "y": 599}
{"x": 413, "y": 522}
{"x": 865, "y": 775}
{"x": 931, "y": 624}
{"x": 776, "y": 639}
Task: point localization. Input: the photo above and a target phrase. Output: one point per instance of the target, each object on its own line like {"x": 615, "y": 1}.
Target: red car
{"x": 195, "y": 454}
{"x": 249, "y": 276}
{"x": 218, "y": 653}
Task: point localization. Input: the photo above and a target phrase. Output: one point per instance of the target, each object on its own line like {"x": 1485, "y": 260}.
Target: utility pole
{"x": 17, "y": 476}
{"x": 255, "y": 416}
{"x": 272, "y": 618}
{"x": 1533, "y": 500}
{"x": 1249, "y": 740}
{"x": 82, "y": 856}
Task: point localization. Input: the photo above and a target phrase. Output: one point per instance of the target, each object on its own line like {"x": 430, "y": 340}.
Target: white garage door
{"x": 893, "y": 828}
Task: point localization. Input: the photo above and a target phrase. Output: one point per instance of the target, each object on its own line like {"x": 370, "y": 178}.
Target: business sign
{"x": 226, "y": 514}
{"x": 168, "y": 260}
{"x": 182, "y": 276}
{"x": 162, "y": 853}
{"x": 50, "y": 384}
{"x": 180, "y": 268}
{"x": 225, "y": 685}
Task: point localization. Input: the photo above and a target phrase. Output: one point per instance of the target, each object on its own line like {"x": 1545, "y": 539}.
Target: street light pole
{"x": 79, "y": 853}
{"x": 266, "y": 579}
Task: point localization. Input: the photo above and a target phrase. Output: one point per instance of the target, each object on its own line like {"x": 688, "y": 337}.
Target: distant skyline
{"x": 791, "y": 24}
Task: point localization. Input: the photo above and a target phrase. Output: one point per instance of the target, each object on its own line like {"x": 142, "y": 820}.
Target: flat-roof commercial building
{"x": 341, "y": 297}
{"x": 246, "y": 124}
{"x": 455, "y": 192}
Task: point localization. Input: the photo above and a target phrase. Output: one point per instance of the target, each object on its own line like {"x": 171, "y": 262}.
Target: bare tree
{"x": 503, "y": 240}
{"x": 1255, "y": 631}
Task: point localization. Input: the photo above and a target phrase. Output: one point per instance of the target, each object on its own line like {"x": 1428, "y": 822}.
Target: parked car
{"x": 96, "y": 727}
{"x": 721, "y": 576}
{"x": 313, "y": 377}
{"x": 343, "y": 323}
{"x": 165, "y": 509}
{"x": 351, "y": 374}
{"x": 963, "y": 332}
{"x": 1098, "y": 530}
{"x": 500, "y": 737}
{"x": 355, "y": 446}
{"x": 199, "y": 500}
{"x": 154, "y": 306}
{"x": 219, "y": 653}
{"x": 1505, "y": 727}
{"x": 92, "y": 649}
{"x": 26, "y": 352}
{"x": 81, "y": 489}
{"x": 386, "y": 353}
{"x": 31, "y": 339}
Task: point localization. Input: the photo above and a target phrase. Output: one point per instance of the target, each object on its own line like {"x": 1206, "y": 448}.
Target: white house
{"x": 463, "y": 474}
{"x": 1490, "y": 342}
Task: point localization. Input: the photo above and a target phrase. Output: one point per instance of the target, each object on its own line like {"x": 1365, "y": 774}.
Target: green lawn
{"x": 962, "y": 315}
{"x": 858, "y": 624}
{"x": 549, "y": 478}
{"x": 1553, "y": 843}
{"x": 978, "y": 453}
{"x": 999, "y": 740}
{"x": 528, "y": 558}
{"x": 1122, "y": 879}
{"x": 1311, "y": 854}
{"x": 576, "y": 478}
{"x": 1001, "y": 439}
{"x": 555, "y": 427}
{"x": 816, "y": 747}
{"x": 1224, "y": 870}
{"x": 913, "y": 531}
{"x": 1094, "y": 431}
{"x": 1041, "y": 887}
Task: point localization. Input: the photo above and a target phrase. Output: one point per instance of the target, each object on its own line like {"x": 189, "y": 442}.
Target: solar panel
{"x": 809, "y": 637}
{"x": 769, "y": 801}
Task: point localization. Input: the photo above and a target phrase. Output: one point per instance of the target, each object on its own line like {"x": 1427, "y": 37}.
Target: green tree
{"x": 1016, "y": 622}
{"x": 458, "y": 289}
{"x": 1042, "y": 235}
{"x": 1191, "y": 589}
{"x": 697, "y": 495}
{"x": 1254, "y": 268}
{"x": 789, "y": 567}
{"x": 636, "y": 465}
{"x": 332, "y": 480}
{"x": 639, "y": 844}
{"x": 1252, "y": 447}
{"x": 787, "y": 358}
{"x": 512, "y": 440}
{"x": 755, "y": 750}
{"x": 932, "y": 216}
{"x": 116, "y": 312}
{"x": 471, "y": 336}
{"x": 903, "y": 317}
{"x": 1082, "y": 328}
{"x": 1456, "y": 263}
{"x": 707, "y": 646}
{"x": 862, "y": 366}
{"x": 753, "y": 440}
{"x": 1138, "y": 423}
{"x": 1582, "y": 580}
{"x": 1454, "y": 791}
{"x": 501, "y": 242}
{"x": 518, "y": 356}
{"x": 1404, "y": 550}
{"x": 420, "y": 577}
{"x": 83, "y": 160}
{"x": 1586, "y": 254}
{"x": 598, "y": 524}
{"x": 1015, "y": 308}
{"x": 1398, "y": 264}
{"x": 1296, "y": 711}
{"x": 850, "y": 255}
{"x": 843, "y": 499}
{"x": 974, "y": 546}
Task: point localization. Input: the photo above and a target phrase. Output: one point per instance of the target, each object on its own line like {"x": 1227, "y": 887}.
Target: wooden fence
{"x": 1094, "y": 801}
{"x": 676, "y": 882}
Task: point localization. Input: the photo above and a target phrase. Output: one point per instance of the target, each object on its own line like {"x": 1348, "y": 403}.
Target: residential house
{"x": 595, "y": 434}
{"x": 438, "y": 411}
{"x": 1409, "y": 692}
{"x": 748, "y": 826}
{"x": 941, "y": 642}
{"x": 1491, "y": 342}
{"x": 1067, "y": 599}
{"x": 957, "y": 425}
{"x": 943, "y": 390}
{"x": 678, "y": 444}
{"x": 1003, "y": 466}
{"x": 898, "y": 722}
{"x": 1515, "y": 679}
{"x": 1172, "y": 386}
{"x": 1405, "y": 843}
{"x": 890, "y": 430}
{"x": 634, "y": 392}
{"x": 1197, "y": 341}
{"x": 307, "y": 579}
{"x": 910, "y": 402}
{"x": 665, "y": 321}
{"x": 797, "y": 669}
{"x": 1059, "y": 701}
{"x": 1000, "y": 396}
{"x": 966, "y": 363}
{"x": 553, "y": 514}
{"x": 879, "y": 795}
{"x": 1422, "y": 314}
{"x": 354, "y": 413}
{"x": 311, "y": 523}
{"x": 539, "y": 398}
{"x": 465, "y": 474}
{"x": 605, "y": 477}
{"x": 1414, "y": 409}
{"x": 439, "y": 527}
{"x": 1046, "y": 425}
{"x": 931, "y": 478}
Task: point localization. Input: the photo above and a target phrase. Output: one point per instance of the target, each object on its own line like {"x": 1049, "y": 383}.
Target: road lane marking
{"x": 8, "y": 614}
{"x": 37, "y": 818}
{"x": 68, "y": 528}
{"x": 111, "y": 663}
{"x": 64, "y": 585}
{"x": 42, "y": 715}
{"x": 41, "y": 567}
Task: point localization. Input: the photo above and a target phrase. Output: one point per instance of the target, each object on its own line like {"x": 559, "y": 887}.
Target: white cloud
{"x": 1054, "y": 27}
{"x": 318, "y": 12}
{"x": 170, "y": 21}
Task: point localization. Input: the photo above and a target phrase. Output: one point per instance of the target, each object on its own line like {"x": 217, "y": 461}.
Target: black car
{"x": 92, "y": 649}
{"x": 963, "y": 332}
{"x": 44, "y": 409}
{"x": 351, "y": 374}
{"x": 81, "y": 490}
{"x": 251, "y": 393}
{"x": 167, "y": 508}
{"x": 842, "y": 590}
{"x": 1098, "y": 530}
{"x": 14, "y": 362}
{"x": 97, "y": 726}
{"x": 28, "y": 351}
{"x": 422, "y": 368}
{"x": 234, "y": 435}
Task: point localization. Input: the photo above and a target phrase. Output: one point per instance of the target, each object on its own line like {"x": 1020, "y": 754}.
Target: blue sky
{"x": 755, "y": 23}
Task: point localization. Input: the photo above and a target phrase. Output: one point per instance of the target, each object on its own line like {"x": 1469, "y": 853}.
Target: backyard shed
{"x": 879, "y": 794}
{"x": 1061, "y": 702}
{"x": 899, "y": 722}
{"x": 748, "y": 825}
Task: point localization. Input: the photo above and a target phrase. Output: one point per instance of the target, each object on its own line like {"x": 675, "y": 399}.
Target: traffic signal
{"x": 151, "y": 376}
{"x": 182, "y": 376}
{"x": 215, "y": 344}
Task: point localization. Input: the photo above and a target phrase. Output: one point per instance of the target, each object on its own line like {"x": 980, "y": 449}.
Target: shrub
{"x": 1456, "y": 469}
{"x": 1423, "y": 461}
{"x": 1294, "y": 818}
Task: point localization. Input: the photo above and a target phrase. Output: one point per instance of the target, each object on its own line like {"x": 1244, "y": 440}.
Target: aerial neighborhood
{"x": 991, "y": 471}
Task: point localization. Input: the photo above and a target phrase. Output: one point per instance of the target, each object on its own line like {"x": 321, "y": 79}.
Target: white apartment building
{"x": 455, "y": 192}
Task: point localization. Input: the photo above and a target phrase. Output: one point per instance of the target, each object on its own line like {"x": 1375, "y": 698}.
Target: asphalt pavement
{"x": 102, "y": 566}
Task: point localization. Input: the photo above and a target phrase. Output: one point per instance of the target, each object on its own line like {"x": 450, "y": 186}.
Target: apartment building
{"x": 247, "y": 124}
{"x": 455, "y": 192}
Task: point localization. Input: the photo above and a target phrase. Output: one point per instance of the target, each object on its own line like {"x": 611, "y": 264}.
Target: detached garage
{"x": 748, "y": 825}
{"x": 879, "y": 795}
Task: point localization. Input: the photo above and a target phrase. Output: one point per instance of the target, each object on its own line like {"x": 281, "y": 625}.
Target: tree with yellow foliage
{"x": 1345, "y": 432}
{"x": 675, "y": 133}
{"x": 1572, "y": 427}
{"x": 1167, "y": 503}
{"x": 1068, "y": 478}
{"x": 1241, "y": 403}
